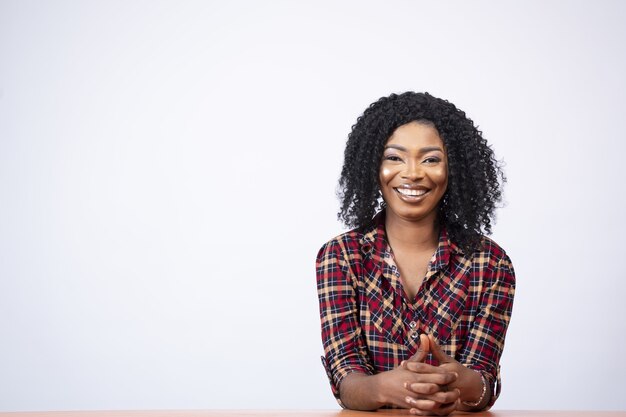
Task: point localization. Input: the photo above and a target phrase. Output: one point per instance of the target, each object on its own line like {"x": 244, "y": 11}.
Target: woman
{"x": 415, "y": 301}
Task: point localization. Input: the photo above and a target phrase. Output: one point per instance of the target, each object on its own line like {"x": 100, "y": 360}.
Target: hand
{"x": 414, "y": 384}
{"x": 394, "y": 386}
{"x": 422, "y": 351}
{"x": 468, "y": 382}
{"x": 430, "y": 386}
{"x": 431, "y": 394}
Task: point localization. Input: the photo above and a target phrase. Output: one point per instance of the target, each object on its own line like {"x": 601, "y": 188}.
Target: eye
{"x": 432, "y": 160}
{"x": 394, "y": 158}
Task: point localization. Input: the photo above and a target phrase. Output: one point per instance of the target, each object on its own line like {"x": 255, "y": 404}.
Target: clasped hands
{"x": 428, "y": 389}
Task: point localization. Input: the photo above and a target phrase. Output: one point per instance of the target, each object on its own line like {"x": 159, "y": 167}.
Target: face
{"x": 414, "y": 172}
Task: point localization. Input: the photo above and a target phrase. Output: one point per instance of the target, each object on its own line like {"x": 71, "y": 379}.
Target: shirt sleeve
{"x": 485, "y": 341}
{"x": 344, "y": 348}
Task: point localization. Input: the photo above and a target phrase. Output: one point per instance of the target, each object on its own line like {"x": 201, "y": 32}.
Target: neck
{"x": 421, "y": 235}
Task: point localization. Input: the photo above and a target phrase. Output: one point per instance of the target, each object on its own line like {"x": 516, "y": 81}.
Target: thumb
{"x": 422, "y": 350}
{"x": 438, "y": 354}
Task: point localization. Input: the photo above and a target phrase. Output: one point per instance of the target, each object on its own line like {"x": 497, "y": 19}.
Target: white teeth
{"x": 412, "y": 193}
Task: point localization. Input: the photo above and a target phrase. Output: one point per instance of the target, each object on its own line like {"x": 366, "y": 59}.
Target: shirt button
{"x": 412, "y": 325}
{"x": 414, "y": 335}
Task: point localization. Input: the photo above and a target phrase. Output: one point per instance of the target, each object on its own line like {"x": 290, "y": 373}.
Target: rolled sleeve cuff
{"x": 335, "y": 376}
{"x": 494, "y": 382}
{"x": 492, "y": 376}
{"x": 493, "y": 387}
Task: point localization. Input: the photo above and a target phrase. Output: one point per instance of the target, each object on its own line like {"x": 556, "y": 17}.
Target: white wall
{"x": 167, "y": 174}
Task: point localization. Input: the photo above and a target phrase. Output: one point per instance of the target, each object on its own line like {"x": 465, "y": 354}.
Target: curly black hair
{"x": 475, "y": 177}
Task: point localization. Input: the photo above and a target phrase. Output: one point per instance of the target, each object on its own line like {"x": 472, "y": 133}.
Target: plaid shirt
{"x": 369, "y": 326}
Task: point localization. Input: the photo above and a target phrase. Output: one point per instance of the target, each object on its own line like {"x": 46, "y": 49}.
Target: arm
{"x": 352, "y": 375}
{"x": 473, "y": 388}
{"x": 391, "y": 388}
{"x": 344, "y": 349}
{"x": 485, "y": 342}
{"x": 478, "y": 364}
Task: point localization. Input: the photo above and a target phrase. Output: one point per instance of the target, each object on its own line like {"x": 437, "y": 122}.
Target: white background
{"x": 168, "y": 173}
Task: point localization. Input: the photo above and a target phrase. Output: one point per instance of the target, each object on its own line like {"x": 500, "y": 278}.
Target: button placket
{"x": 413, "y": 330}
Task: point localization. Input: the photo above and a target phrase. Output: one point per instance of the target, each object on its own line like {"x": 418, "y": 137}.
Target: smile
{"x": 411, "y": 193}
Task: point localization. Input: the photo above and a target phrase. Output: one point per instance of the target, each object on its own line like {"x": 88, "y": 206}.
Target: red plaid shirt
{"x": 369, "y": 326}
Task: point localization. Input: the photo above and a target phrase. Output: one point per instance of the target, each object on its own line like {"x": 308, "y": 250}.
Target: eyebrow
{"x": 422, "y": 150}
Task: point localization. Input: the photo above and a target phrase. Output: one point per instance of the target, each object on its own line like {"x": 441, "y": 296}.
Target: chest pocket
{"x": 445, "y": 303}
{"x": 381, "y": 309}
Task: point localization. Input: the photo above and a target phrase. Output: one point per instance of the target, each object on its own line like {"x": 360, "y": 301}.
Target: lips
{"x": 411, "y": 194}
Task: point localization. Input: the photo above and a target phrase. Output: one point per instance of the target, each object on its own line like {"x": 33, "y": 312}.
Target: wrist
{"x": 377, "y": 388}
{"x": 475, "y": 396}
{"x": 360, "y": 391}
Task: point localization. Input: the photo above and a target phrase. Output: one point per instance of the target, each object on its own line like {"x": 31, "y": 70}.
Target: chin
{"x": 417, "y": 217}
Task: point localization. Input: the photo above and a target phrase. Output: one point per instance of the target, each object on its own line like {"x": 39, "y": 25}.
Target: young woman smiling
{"x": 415, "y": 301}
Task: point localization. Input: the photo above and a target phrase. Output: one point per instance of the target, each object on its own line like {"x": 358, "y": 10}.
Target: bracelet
{"x": 482, "y": 395}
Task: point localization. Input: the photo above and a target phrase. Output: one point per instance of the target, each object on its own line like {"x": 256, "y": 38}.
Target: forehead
{"x": 415, "y": 135}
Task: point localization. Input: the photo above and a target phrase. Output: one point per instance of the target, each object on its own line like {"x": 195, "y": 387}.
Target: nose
{"x": 413, "y": 171}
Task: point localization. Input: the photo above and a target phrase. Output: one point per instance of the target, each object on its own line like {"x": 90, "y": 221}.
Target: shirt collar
{"x": 445, "y": 249}
{"x": 374, "y": 243}
{"x": 374, "y": 239}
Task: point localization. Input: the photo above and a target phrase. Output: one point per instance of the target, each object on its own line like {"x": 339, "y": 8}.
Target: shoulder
{"x": 340, "y": 259}
{"x": 493, "y": 258}
{"x": 491, "y": 249}
{"x": 487, "y": 250}
{"x": 361, "y": 239}
{"x": 346, "y": 245}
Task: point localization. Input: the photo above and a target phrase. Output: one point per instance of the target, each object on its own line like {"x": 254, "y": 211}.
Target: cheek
{"x": 442, "y": 175}
{"x": 385, "y": 175}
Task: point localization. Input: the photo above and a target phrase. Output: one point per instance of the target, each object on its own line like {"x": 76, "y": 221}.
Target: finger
{"x": 436, "y": 412}
{"x": 420, "y": 354}
{"x": 422, "y": 388}
{"x": 440, "y": 379}
{"x": 429, "y": 408}
{"x": 424, "y": 343}
{"x": 444, "y": 398}
{"x": 437, "y": 352}
{"x": 421, "y": 405}
{"x": 424, "y": 368}
{"x": 422, "y": 350}
{"x": 435, "y": 392}
{"x": 446, "y": 409}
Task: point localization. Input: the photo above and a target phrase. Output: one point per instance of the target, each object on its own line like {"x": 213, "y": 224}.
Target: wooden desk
{"x": 303, "y": 413}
